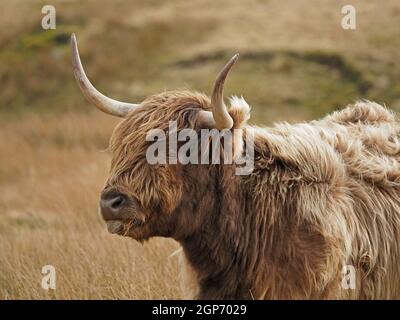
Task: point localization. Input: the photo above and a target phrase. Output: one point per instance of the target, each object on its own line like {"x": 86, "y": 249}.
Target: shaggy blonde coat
{"x": 323, "y": 195}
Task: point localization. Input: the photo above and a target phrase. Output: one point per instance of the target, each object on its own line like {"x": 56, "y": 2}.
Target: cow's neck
{"x": 214, "y": 251}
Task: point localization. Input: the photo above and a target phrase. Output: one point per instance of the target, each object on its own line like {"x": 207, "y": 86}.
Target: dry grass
{"x": 49, "y": 184}
{"x": 52, "y": 148}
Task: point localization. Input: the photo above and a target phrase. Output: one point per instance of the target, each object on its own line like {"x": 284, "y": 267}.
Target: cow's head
{"x": 141, "y": 200}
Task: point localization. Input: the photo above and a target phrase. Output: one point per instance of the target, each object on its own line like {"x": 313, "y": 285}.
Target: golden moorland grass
{"x": 50, "y": 178}
{"x": 296, "y": 63}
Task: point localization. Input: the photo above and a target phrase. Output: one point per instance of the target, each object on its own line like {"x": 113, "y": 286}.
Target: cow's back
{"x": 342, "y": 176}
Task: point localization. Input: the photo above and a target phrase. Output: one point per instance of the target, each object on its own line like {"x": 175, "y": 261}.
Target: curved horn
{"x": 105, "y": 104}
{"x": 221, "y": 116}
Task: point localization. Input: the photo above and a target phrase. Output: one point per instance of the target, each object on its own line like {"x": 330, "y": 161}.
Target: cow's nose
{"x": 111, "y": 204}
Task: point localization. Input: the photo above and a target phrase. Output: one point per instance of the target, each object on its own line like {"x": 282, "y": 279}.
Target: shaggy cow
{"x": 323, "y": 195}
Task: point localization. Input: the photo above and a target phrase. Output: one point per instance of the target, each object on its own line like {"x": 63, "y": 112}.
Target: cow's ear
{"x": 239, "y": 111}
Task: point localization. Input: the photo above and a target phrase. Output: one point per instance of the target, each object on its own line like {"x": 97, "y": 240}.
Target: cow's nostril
{"x": 117, "y": 202}
{"x": 111, "y": 205}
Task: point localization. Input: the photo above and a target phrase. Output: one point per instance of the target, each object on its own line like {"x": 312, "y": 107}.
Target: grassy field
{"x": 297, "y": 63}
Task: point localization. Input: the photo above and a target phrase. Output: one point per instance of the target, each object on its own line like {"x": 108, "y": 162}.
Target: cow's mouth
{"x": 123, "y": 227}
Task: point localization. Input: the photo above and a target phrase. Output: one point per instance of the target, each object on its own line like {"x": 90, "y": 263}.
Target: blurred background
{"x": 296, "y": 63}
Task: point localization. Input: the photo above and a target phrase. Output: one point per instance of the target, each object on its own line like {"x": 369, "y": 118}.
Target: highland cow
{"x": 323, "y": 195}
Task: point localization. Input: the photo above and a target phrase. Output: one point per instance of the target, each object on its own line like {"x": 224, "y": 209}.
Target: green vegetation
{"x": 132, "y": 58}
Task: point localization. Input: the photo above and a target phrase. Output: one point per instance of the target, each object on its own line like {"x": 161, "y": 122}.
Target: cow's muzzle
{"x": 121, "y": 212}
{"x": 112, "y": 205}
